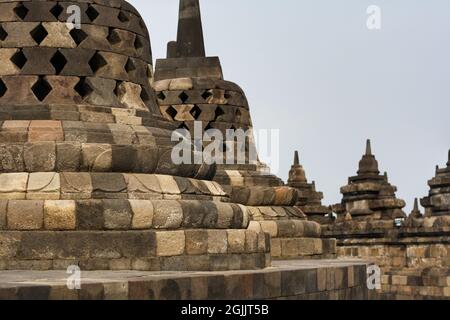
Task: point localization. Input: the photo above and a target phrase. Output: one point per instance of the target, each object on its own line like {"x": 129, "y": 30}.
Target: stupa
{"x": 309, "y": 199}
{"x": 369, "y": 197}
{"x": 190, "y": 88}
{"x": 437, "y": 203}
{"x": 86, "y": 175}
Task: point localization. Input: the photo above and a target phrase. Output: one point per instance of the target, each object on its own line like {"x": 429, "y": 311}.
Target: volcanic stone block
{"x": 25, "y": 215}
{"x": 225, "y": 215}
{"x": 196, "y": 242}
{"x": 108, "y": 185}
{"x": 180, "y": 84}
{"x": 113, "y": 66}
{"x": 117, "y": 214}
{"x": 217, "y": 242}
{"x": 60, "y": 215}
{"x": 90, "y": 215}
{"x": 62, "y": 92}
{"x": 168, "y": 214}
{"x": 270, "y": 227}
{"x": 13, "y": 185}
{"x": 44, "y": 185}
{"x": 40, "y": 156}
{"x": 8, "y": 67}
{"x": 3, "y": 212}
{"x": 170, "y": 243}
{"x": 143, "y": 186}
{"x": 68, "y": 157}
{"x": 19, "y": 34}
{"x": 102, "y": 92}
{"x": 96, "y": 157}
{"x": 130, "y": 96}
{"x": 76, "y": 185}
{"x": 143, "y": 213}
{"x": 77, "y": 61}
{"x": 168, "y": 184}
{"x": 58, "y": 35}
{"x": 251, "y": 241}
{"x": 236, "y": 241}
{"x": 22, "y": 88}
{"x": 12, "y": 158}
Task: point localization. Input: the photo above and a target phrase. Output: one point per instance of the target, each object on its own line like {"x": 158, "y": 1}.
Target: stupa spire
{"x": 190, "y": 42}
{"x": 448, "y": 163}
{"x": 368, "y": 164}
{"x": 296, "y": 159}
{"x": 368, "y": 148}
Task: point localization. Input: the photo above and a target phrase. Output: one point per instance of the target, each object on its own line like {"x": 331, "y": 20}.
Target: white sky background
{"x": 312, "y": 69}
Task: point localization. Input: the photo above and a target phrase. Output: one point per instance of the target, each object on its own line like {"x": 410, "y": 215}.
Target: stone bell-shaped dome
{"x": 86, "y": 174}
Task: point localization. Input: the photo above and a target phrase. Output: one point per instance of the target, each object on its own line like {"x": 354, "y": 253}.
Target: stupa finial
{"x": 368, "y": 148}
{"x": 296, "y": 159}
{"x": 190, "y": 42}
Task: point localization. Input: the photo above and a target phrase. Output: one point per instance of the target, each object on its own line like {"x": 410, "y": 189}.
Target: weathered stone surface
{"x": 40, "y": 156}
{"x": 25, "y": 215}
{"x": 60, "y": 215}
{"x": 168, "y": 214}
{"x": 45, "y": 185}
{"x": 118, "y": 214}
{"x": 170, "y": 243}
{"x": 196, "y": 242}
{"x": 143, "y": 213}
{"x": 217, "y": 241}
{"x": 13, "y": 185}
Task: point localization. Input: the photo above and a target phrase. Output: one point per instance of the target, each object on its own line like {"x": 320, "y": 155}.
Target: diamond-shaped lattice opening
{"x": 196, "y": 112}
{"x": 83, "y": 88}
{"x": 3, "y": 88}
{"x": 21, "y": 11}
{"x": 130, "y": 67}
{"x": 19, "y": 59}
{"x": 183, "y": 97}
{"x": 78, "y": 35}
{"x": 218, "y": 113}
{"x": 123, "y": 17}
{"x": 41, "y": 88}
{"x": 161, "y": 96}
{"x": 144, "y": 95}
{"x": 138, "y": 45}
{"x": 39, "y": 34}
{"x": 58, "y": 61}
{"x": 57, "y": 10}
{"x": 206, "y": 95}
{"x": 116, "y": 89}
{"x": 172, "y": 112}
{"x": 183, "y": 126}
{"x": 97, "y": 62}
{"x": 92, "y": 13}
{"x": 3, "y": 34}
{"x": 113, "y": 37}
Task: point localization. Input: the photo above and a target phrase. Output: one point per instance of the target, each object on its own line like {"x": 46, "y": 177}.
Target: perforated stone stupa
{"x": 309, "y": 199}
{"x": 86, "y": 175}
{"x": 369, "y": 197}
{"x": 437, "y": 203}
{"x": 190, "y": 87}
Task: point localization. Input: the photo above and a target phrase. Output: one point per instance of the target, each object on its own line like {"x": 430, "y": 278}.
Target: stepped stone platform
{"x": 296, "y": 279}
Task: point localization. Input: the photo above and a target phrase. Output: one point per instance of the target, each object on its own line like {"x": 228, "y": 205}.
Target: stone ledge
{"x": 194, "y": 250}
{"x": 326, "y": 279}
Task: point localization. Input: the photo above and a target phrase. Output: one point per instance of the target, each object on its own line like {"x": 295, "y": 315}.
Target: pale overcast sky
{"x": 312, "y": 69}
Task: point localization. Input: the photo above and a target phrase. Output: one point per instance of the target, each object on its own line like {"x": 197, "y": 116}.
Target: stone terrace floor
{"x": 293, "y": 279}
